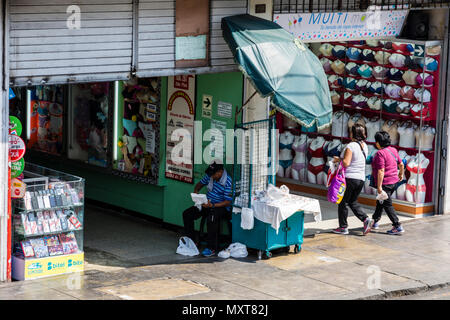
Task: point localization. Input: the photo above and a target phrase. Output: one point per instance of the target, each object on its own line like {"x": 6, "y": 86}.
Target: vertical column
{"x": 4, "y": 152}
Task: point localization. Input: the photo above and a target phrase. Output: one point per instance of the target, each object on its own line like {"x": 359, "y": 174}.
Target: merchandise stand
{"x": 48, "y": 225}
{"x": 365, "y": 87}
{"x": 253, "y": 174}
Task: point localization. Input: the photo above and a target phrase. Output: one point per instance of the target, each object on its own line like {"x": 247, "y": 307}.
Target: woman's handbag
{"x": 337, "y": 186}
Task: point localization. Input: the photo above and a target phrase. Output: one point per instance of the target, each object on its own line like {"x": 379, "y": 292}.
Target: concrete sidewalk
{"x": 131, "y": 258}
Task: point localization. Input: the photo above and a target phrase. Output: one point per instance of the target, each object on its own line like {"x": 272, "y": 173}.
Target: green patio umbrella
{"x": 281, "y": 66}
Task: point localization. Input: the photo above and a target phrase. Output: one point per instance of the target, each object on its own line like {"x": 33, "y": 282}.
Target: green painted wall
{"x": 226, "y": 87}
{"x": 170, "y": 198}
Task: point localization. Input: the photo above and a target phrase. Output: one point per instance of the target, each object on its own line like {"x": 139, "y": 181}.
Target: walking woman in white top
{"x": 353, "y": 158}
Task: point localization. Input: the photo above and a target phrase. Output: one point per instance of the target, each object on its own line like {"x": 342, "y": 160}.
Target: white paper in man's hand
{"x": 199, "y": 199}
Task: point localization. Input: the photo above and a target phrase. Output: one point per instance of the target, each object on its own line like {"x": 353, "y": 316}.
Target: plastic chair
{"x": 203, "y": 234}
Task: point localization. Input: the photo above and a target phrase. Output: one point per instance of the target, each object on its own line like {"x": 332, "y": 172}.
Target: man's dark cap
{"x": 213, "y": 168}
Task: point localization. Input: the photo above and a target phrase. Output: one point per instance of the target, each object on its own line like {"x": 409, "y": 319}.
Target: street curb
{"x": 406, "y": 292}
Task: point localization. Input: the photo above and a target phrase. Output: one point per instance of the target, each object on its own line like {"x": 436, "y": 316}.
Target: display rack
{"x": 417, "y": 53}
{"x": 48, "y": 225}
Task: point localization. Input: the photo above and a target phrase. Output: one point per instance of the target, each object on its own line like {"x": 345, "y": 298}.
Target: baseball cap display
{"x": 403, "y": 108}
{"x": 350, "y": 83}
{"x": 393, "y": 90}
{"x": 372, "y": 42}
{"x": 362, "y": 85}
{"x": 359, "y": 101}
{"x": 382, "y": 57}
{"x": 430, "y": 64}
{"x": 379, "y": 72}
{"x": 352, "y": 68}
{"x": 376, "y": 87}
{"x": 368, "y": 55}
{"x": 338, "y": 52}
{"x": 353, "y": 54}
{"x": 374, "y": 103}
{"x": 397, "y": 60}
{"x": 390, "y": 105}
{"x": 407, "y": 93}
{"x": 365, "y": 71}
{"x": 325, "y": 49}
{"x": 394, "y": 74}
{"x": 427, "y": 82}
{"x": 410, "y": 77}
{"x": 335, "y": 97}
{"x": 326, "y": 64}
{"x": 403, "y": 47}
{"x": 338, "y": 66}
{"x": 422, "y": 95}
{"x": 335, "y": 81}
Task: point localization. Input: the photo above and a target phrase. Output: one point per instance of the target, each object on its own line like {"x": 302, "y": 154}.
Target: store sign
{"x": 16, "y": 148}
{"x": 224, "y": 109}
{"x": 17, "y": 168}
{"x": 36, "y": 268}
{"x": 332, "y": 26}
{"x": 15, "y": 126}
{"x": 18, "y": 189}
{"x": 180, "y": 128}
{"x": 207, "y": 101}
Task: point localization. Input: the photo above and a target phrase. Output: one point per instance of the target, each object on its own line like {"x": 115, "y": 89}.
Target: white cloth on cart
{"x": 277, "y": 211}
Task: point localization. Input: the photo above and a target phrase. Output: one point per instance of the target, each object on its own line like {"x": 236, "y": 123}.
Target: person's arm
{"x": 401, "y": 167}
{"x": 225, "y": 203}
{"x": 380, "y": 177}
{"x": 347, "y": 158}
{"x": 198, "y": 187}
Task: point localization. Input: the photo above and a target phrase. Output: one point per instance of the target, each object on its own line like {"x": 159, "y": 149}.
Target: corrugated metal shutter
{"x": 156, "y": 45}
{"x": 43, "y": 47}
{"x": 220, "y": 52}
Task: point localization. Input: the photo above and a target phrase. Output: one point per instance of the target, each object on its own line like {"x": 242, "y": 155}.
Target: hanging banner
{"x": 16, "y": 148}
{"x": 336, "y": 26}
{"x": 180, "y": 128}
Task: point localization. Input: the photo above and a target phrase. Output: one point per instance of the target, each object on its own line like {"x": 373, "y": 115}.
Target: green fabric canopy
{"x": 280, "y": 66}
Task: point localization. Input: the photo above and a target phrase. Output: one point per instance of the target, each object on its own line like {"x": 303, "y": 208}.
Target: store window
{"x": 390, "y": 86}
{"x": 46, "y": 119}
{"x": 89, "y": 113}
{"x": 136, "y": 134}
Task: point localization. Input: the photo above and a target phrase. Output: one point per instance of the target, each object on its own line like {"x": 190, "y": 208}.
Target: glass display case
{"x": 48, "y": 224}
{"x": 388, "y": 85}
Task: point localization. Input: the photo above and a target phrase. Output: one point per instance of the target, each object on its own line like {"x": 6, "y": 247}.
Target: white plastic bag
{"x": 238, "y": 250}
{"x": 382, "y": 196}
{"x": 247, "y": 220}
{"x": 224, "y": 254}
{"x": 187, "y": 247}
{"x": 199, "y": 199}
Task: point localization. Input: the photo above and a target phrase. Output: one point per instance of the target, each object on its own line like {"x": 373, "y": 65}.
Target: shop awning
{"x": 280, "y": 66}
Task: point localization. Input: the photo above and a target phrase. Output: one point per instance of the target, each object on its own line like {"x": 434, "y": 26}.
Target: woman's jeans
{"x": 352, "y": 191}
{"x": 387, "y": 206}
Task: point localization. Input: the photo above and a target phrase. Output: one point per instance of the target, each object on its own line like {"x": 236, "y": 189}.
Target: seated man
{"x": 219, "y": 197}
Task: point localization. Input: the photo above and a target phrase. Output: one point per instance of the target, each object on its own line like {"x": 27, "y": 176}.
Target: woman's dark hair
{"x": 383, "y": 138}
{"x": 359, "y": 132}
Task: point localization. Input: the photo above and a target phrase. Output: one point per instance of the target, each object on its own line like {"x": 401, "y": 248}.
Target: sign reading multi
{"x": 333, "y": 26}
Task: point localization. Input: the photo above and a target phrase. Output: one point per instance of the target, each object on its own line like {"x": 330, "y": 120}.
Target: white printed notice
{"x": 180, "y": 128}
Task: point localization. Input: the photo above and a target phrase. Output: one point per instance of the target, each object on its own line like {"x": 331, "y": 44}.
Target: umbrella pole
{"x": 245, "y": 103}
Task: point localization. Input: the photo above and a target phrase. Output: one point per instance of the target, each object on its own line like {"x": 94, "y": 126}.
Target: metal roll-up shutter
{"x": 220, "y": 52}
{"x": 43, "y": 47}
{"x": 156, "y": 37}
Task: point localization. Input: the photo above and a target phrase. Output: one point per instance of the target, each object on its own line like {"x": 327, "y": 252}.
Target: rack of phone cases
{"x": 48, "y": 224}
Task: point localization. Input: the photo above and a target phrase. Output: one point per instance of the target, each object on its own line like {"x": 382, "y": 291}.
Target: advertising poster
{"x": 332, "y": 26}
{"x": 180, "y": 126}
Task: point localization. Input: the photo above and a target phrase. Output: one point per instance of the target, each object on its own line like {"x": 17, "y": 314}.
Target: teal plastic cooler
{"x": 264, "y": 238}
